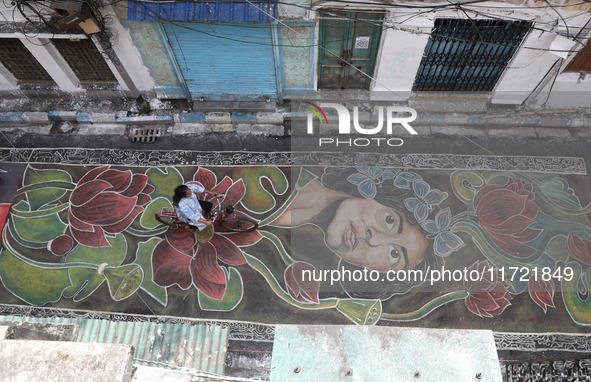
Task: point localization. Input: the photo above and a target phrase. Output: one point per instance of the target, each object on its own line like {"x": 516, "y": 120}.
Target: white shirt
{"x": 189, "y": 210}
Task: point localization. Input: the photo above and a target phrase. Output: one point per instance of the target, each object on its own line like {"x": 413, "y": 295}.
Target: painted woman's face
{"x": 368, "y": 234}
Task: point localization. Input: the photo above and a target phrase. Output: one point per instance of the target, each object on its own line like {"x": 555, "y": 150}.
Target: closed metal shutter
{"x": 225, "y": 61}
{"x": 200, "y": 10}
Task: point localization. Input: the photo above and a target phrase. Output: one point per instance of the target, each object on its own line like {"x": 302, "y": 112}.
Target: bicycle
{"x": 229, "y": 219}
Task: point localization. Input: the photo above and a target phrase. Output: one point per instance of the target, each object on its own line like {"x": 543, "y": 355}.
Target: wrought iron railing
{"x": 468, "y": 55}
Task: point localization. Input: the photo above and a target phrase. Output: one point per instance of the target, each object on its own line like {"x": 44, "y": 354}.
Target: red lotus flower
{"x": 488, "y": 296}
{"x": 106, "y": 201}
{"x": 506, "y": 213}
{"x": 579, "y": 248}
{"x": 4, "y": 209}
{"x": 541, "y": 291}
{"x": 299, "y": 279}
{"x": 181, "y": 260}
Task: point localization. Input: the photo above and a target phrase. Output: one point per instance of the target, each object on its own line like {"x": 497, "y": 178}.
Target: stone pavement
{"x": 504, "y": 219}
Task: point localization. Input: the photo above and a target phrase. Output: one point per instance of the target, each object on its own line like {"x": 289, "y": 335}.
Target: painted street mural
{"x": 426, "y": 243}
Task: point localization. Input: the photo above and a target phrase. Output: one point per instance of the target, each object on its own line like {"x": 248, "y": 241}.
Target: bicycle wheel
{"x": 239, "y": 224}
{"x": 170, "y": 220}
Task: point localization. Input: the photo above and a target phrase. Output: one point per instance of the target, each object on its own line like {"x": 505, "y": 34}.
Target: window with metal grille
{"x": 86, "y": 61}
{"x": 20, "y": 62}
{"x": 582, "y": 61}
{"x": 468, "y": 55}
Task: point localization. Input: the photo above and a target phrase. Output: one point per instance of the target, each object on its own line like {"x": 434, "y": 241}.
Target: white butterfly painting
{"x": 424, "y": 201}
{"x": 446, "y": 241}
{"x": 368, "y": 178}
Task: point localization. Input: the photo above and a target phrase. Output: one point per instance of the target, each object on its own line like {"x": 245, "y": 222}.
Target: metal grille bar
{"x": 142, "y": 134}
{"x": 468, "y": 55}
{"x": 21, "y": 63}
{"x": 86, "y": 61}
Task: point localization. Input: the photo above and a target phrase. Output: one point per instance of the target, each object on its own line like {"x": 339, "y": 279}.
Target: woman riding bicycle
{"x": 190, "y": 209}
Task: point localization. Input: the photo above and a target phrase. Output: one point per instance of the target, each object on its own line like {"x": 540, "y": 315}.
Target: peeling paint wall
{"x": 533, "y": 70}
{"x": 298, "y": 41}
{"x": 149, "y": 43}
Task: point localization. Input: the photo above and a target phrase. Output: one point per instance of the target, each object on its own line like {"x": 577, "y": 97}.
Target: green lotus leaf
{"x": 147, "y": 219}
{"x": 24, "y": 243}
{"x": 39, "y": 198}
{"x": 557, "y": 249}
{"x": 257, "y": 198}
{"x": 39, "y": 229}
{"x": 232, "y": 296}
{"x": 465, "y": 183}
{"x": 34, "y": 285}
{"x": 303, "y": 177}
{"x": 143, "y": 258}
{"x": 86, "y": 280}
{"x": 123, "y": 281}
{"x": 164, "y": 182}
{"x": 113, "y": 255}
{"x": 560, "y": 192}
{"x": 22, "y": 206}
{"x": 361, "y": 312}
{"x": 578, "y": 308}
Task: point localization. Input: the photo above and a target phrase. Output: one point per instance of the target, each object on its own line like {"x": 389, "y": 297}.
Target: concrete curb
{"x": 11, "y": 117}
{"x": 84, "y": 117}
{"x": 189, "y": 118}
{"x": 34, "y": 117}
{"x": 472, "y": 122}
{"x": 62, "y": 116}
{"x": 103, "y": 129}
{"x": 28, "y": 129}
{"x": 145, "y": 120}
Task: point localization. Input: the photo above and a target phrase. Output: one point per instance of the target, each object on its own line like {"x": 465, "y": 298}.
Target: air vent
{"x": 141, "y": 134}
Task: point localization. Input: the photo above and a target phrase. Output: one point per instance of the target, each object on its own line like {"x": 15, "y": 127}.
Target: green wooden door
{"x": 348, "y": 48}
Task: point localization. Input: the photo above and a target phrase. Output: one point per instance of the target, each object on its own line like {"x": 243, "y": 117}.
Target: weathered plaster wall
{"x": 297, "y": 56}
{"x": 296, "y": 9}
{"x": 397, "y": 63}
{"x": 129, "y": 55}
{"x": 403, "y": 45}
{"x": 526, "y": 70}
{"x": 152, "y": 51}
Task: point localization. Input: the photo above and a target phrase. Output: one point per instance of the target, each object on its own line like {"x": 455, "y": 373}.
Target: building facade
{"x": 242, "y": 52}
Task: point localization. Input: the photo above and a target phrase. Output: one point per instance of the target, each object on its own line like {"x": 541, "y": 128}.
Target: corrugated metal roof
{"x": 231, "y": 10}
{"x": 168, "y": 345}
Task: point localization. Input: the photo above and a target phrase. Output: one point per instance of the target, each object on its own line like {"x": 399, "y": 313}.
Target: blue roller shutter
{"x": 227, "y": 10}
{"x": 225, "y": 61}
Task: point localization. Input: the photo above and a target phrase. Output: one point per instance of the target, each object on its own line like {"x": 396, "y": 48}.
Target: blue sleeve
{"x": 188, "y": 211}
{"x": 196, "y": 188}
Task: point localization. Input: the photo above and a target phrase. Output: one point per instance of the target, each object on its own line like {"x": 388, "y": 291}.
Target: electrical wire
{"x": 554, "y": 80}
{"x": 185, "y": 26}
{"x": 106, "y": 39}
{"x": 160, "y": 18}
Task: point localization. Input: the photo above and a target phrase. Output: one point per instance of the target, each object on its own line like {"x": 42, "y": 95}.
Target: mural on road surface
{"x": 364, "y": 245}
